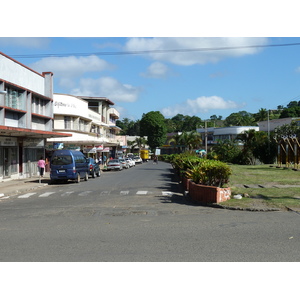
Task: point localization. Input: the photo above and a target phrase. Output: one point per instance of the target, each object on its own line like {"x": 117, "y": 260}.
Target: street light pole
{"x": 206, "y": 136}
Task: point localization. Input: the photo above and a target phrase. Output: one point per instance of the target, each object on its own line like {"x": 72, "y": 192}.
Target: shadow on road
{"x": 172, "y": 184}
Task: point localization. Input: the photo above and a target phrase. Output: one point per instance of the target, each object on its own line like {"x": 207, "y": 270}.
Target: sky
{"x": 197, "y": 59}
{"x": 230, "y": 76}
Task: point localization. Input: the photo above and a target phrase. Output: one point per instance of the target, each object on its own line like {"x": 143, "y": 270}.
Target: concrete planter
{"x": 208, "y": 194}
{"x": 186, "y": 183}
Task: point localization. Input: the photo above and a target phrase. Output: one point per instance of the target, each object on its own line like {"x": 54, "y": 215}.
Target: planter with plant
{"x": 209, "y": 179}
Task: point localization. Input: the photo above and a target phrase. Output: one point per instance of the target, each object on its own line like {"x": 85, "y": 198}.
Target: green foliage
{"x": 129, "y": 127}
{"x": 227, "y": 151}
{"x": 181, "y": 123}
{"x": 153, "y": 125}
{"x": 256, "y": 145}
{"x": 210, "y": 172}
{"x": 241, "y": 118}
{"x": 201, "y": 170}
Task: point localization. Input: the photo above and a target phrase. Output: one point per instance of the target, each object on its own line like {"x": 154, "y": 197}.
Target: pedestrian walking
{"x": 41, "y": 165}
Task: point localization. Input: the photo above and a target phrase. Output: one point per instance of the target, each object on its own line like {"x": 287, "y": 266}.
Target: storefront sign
{"x": 34, "y": 143}
{"x": 8, "y": 141}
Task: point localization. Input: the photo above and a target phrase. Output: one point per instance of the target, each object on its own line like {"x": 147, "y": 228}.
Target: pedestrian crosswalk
{"x": 87, "y": 193}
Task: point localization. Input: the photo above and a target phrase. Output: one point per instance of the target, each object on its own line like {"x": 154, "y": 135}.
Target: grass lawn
{"x": 268, "y": 195}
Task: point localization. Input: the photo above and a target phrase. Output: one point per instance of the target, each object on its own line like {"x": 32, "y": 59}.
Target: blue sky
{"x": 201, "y": 83}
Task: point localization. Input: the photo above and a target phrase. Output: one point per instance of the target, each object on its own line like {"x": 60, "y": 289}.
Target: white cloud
{"x": 194, "y": 57}
{"x": 107, "y": 87}
{"x": 200, "y": 105}
{"x": 156, "y": 70}
{"x": 71, "y": 66}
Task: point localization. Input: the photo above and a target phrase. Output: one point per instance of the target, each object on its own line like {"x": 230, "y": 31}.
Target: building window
{"x": 38, "y": 106}
{"x": 15, "y": 99}
{"x": 81, "y": 125}
{"x": 68, "y": 122}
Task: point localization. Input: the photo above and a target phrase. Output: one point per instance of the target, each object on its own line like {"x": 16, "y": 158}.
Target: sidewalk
{"x": 17, "y": 186}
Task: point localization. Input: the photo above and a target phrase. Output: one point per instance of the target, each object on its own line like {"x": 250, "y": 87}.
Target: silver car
{"x": 114, "y": 164}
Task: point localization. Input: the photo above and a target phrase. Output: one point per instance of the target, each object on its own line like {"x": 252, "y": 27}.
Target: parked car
{"x": 114, "y": 164}
{"x": 68, "y": 164}
{"x": 94, "y": 168}
{"x": 125, "y": 163}
{"x": 131, "y": 162}
{"x": 138, "y": 160}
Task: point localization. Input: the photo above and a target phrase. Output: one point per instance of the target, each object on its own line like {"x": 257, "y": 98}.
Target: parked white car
{"x": 130, "y": 161}
{"x": 138, "y": 160}
{"x": 124, "y": 163}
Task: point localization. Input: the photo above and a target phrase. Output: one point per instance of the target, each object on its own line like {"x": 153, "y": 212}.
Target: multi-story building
{"x": 92, "y": 122}
{"x": 26, "y": 117}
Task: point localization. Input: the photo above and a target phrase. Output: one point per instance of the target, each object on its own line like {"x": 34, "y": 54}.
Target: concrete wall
{"x": 20, "y": 75}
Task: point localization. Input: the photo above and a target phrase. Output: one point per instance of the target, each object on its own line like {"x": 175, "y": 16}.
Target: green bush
{"x": 210, "y": 172}
{"x": 201, "y": 170}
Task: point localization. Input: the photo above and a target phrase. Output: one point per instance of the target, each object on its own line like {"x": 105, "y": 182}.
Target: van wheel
{"x": 78, "y": 178}
{"x": 86, "y": 177}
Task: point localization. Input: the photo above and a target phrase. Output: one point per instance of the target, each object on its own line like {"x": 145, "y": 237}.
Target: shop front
{"x": 8, "y": 157}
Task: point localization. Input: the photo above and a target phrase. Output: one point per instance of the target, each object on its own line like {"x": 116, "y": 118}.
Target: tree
{"x": 192, "y": 140}
{"x": 256, "y": 145}
{"x": 129, "y": 127}
{"x": 227, "y": 151}
{"x": 176, "y": 140}
{"x": 262, "y": 115}
{"x": 291, "y": 112}
{"x": 241, "y": 118}
{"x": 191, "y": 123}
{"x": 153, "y": 126}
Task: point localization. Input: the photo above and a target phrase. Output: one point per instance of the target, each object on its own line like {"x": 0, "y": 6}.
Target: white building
{"x": 92, "y": 122}
{"x": 26, "y": 118}
{"x": 223, "y": 133}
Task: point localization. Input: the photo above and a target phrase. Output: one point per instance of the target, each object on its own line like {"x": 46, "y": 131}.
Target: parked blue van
{"x": 68, "y": 164}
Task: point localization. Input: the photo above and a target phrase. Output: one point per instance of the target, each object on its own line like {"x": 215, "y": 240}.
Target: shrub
{"x": 201, "y": 170}
{"x": 210, "y": 172}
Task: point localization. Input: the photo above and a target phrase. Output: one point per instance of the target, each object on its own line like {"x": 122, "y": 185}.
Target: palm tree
{"x": 140, "y": 142}
{"x": 192, "y": 140}
{"x": 262, "y": 115}
{"x": 176, "y": 140}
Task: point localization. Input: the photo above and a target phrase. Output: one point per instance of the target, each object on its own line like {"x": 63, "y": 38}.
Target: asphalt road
{"x": 138, "y": 214}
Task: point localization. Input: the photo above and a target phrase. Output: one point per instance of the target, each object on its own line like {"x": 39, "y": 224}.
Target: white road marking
{"x": 67, "y": 194}
{"x": 124, "y": 192}
{"x": 141, "y": 192}
{"x": 85, "y": 193}
{"x": 46, "y": 194}
{"x": 26, "y": 195}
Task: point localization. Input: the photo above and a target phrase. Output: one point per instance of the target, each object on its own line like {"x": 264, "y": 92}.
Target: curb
{"x": 216, "y": 205}
{"x": 245, "y": 208}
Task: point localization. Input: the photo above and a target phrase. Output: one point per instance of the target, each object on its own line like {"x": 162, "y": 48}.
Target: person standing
{"x": 41, "y": 165}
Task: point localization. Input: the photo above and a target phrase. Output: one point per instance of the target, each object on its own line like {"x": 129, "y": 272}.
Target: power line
{"x": 140, "y": 52}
